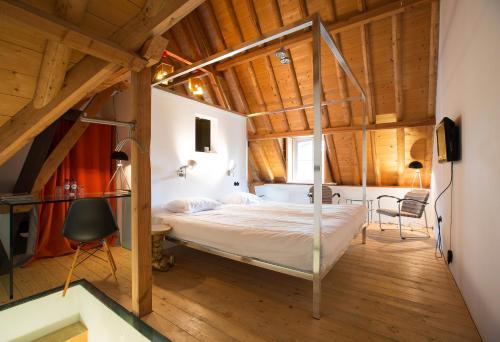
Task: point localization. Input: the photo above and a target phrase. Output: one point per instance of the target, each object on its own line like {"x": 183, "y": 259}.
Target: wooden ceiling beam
{"x": 69, "y": 140}
{"x": 334, "y": 161}
{"x": 398, "y": 94}
{"x": 56, "y": 56}
{"x": 260, "y": 155}
{"x": 253, "y": 78}
{"x": 60, "y": 31}
{"x": 295, "y": 83}
{"x": 267, "y": 61}
{"x": 331, "y": 130}
{"x": 367, "y": 66}
{"x": 341, "y": 80}
{"x": 88, "y": 74}
{"x": 355, "y": 157}
{"x": 375, "y": 160}
{"x": 201, "y": 41}
{"x": 341, "y": 25}
{"x": 214, "y": 36}
{"x": 433, "y": 57}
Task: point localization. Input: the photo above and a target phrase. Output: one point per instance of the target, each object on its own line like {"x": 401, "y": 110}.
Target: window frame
{"x": 291, "y": 144}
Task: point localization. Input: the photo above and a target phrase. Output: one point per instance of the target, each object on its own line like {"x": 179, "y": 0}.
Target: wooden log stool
{"x": 160, "y": 262}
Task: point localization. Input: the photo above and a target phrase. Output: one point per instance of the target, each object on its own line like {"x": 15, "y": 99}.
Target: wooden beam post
{"x": 398, "y": 94}
{"x": 69, "y": 140}
{"x": 83, "y": 78}
{"x": 141, "y": 195}
{"x": 433, "y": 57}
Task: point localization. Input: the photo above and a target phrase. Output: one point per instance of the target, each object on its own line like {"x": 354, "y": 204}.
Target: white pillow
{"x": 241, "y": 198}
{"x": 191, "y": 205}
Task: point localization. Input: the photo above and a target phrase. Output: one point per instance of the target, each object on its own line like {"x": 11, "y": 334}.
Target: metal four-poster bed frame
{"x": 319, "y": 33}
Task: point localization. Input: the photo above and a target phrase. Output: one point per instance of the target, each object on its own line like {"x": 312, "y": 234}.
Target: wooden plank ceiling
{"x": 391, "y": 46}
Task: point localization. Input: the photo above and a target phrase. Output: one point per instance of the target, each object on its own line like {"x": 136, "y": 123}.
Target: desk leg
{"x": 11, "y": 252}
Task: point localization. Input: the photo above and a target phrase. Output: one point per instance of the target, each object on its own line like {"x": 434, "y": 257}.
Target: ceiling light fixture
{"x": 162, "y": 71}
{"x": 195, "y": 86}
{"x": 282, "y": 56}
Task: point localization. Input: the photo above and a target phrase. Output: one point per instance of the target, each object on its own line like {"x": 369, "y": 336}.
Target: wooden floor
{"x": 387, "y": 289}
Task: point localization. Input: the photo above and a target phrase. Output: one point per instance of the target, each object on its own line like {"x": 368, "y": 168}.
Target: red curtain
{"x": 90, "y": 164}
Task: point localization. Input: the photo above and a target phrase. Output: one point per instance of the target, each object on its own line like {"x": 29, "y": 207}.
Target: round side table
{"x": 159, "y": 261}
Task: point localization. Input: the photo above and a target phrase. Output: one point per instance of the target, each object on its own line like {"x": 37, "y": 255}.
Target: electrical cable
{"x": 439, "y": 238}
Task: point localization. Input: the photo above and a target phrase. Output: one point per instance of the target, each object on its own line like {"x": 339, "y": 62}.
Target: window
{"x": 301, "y": 160}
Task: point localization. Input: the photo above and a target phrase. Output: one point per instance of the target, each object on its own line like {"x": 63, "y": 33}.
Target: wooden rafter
{"x": 369, "y": 16}
{"x": 433, "y": 57}
{"x": 267, "y": 61}
{"x": 250, "y": 68}
{"x": 375, "y": 160}
{"x": 71, "y": 36}
{"x": 398, "y": 93}
{"x": 341, "y": 80}
{"x": 355, "y": 157}
{"x": 88, "y": 74}
{"x": 334, "y": 162}
{"x": 291, "y": 68}
{"x": 367, "y": 66}
{"x": 58, "y": 154}
{"x": 205, "y": 51}
{"x": 260, "y": 155}
{"x": 215, "y": 38}
{"x": 331, "y": 130}
{"x": 56, "y": 56}
{"x": 185, "y": 40}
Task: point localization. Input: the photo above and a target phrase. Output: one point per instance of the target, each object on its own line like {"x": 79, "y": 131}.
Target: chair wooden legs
{"x": 111, "y": 261}
{"x": 71, "y": 270}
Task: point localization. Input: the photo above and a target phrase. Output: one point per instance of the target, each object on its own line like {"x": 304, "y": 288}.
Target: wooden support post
{"x": 398, "y": 94}
{"x": 375, "y": 161}
{"x": 141, "y": 195}
{"x": 433, "y": 56}
{"x": 365, "y": 49}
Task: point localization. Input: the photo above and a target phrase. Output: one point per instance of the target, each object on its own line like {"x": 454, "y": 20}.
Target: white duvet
{"x": 279, "y": 233}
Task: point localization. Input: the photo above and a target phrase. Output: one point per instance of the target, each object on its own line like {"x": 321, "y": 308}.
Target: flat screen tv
{"x": 448, "y": 141}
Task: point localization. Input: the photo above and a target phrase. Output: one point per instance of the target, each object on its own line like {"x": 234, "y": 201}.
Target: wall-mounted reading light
{"x": 231, "y": 168}
{"x": 182, "y": 172}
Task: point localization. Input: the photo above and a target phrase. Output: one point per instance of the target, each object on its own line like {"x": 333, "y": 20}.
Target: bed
{"x": 273, "y": 235}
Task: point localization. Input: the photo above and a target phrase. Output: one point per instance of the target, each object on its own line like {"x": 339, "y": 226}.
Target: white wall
{"x": 297, "y": 193}
{"x": 173, "y": 143}
{"x": 10, "y": 170}
{"x": 468, "y": 91}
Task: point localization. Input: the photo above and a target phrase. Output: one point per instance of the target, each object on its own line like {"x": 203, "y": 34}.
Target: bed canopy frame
{"x": 319, "y": 34}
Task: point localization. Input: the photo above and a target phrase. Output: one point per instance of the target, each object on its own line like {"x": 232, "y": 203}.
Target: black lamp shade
{"x": 119, "y": 155}
{"x": 415, "y": 165}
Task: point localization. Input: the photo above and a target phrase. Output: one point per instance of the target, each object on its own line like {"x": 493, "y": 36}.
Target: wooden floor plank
{"x": 388, "y": 289}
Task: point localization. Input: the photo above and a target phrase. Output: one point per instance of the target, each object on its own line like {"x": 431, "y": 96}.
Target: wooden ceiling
{"x": 391, "y": 46}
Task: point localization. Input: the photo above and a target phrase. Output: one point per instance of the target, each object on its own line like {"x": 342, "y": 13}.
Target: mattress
{"x": 278, "y": 233}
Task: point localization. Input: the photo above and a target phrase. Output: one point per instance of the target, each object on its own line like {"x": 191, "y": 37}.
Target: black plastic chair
{"x": 90, "y": 220}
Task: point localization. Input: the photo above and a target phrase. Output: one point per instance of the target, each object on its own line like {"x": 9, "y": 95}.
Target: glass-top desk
{"x": 12, "y": 204}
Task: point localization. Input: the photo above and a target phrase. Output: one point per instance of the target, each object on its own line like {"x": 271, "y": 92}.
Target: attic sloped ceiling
{"x": 391, "y": 46}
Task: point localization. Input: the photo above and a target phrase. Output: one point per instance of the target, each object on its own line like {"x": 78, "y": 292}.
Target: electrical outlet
{"x": 236, "y": 183}
{"x": 450, "y": 256}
